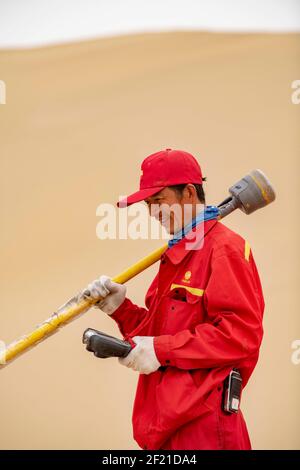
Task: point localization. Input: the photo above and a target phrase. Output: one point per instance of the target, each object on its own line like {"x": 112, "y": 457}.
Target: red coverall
{"x": 205, "y": 309}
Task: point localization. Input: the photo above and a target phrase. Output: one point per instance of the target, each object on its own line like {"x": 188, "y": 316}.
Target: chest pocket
{"x": 182, "y": 308}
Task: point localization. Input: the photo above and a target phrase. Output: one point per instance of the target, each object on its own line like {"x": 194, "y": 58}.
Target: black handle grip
{"x": 103, "y": 345}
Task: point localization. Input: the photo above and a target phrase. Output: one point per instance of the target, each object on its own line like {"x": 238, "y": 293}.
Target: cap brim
{"x": 139, "y": 196}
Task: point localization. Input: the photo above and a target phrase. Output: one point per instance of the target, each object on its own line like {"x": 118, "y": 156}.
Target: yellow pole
{"x": 71, "y": 310}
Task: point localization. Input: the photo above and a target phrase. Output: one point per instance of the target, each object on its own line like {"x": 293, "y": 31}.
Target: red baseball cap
{"x": 165, "y": 168}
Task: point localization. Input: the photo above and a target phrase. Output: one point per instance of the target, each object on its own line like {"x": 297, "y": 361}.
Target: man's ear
{"x": 190, "y": 192}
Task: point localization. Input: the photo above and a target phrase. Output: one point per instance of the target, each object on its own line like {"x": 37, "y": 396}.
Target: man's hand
{"x": 110, "y": 294}
{"x": 142, "y": 357}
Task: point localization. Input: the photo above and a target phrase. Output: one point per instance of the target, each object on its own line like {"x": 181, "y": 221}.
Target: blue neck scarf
{"x": 209, "y": 213}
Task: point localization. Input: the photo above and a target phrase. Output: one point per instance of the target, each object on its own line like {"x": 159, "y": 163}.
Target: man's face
{"x": 172, "y": 209}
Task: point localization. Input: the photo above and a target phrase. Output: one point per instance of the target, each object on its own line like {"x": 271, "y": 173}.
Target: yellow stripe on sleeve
{"x": 247, "y": 250}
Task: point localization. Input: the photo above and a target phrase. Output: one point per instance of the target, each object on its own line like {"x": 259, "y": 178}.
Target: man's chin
{"x": 169, "y": 230}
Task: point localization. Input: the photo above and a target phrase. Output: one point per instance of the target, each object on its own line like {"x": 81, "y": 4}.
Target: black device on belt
{"x": 232, "y": 392}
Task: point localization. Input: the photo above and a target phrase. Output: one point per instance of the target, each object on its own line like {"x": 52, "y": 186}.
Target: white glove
{"x": 110, "y": 294}
{"x": 142, "y": 357}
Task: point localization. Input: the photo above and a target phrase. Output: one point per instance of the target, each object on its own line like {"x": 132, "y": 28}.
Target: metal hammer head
{"x": 249, "y": 194}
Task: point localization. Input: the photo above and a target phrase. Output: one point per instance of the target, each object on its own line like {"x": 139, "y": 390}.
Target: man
{"x": 203, "y": 316}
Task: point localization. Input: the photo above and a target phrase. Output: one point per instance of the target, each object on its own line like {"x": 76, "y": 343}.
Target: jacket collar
{"x": 178, "y": 252}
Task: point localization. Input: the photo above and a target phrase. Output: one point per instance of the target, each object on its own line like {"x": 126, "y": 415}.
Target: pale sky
{"x": 27, "y": 23}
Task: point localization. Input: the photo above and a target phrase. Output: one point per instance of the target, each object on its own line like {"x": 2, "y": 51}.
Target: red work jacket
{"x": 205, "y": 309}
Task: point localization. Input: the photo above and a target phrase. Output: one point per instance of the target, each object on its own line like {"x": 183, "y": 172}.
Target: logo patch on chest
{"x": 187, "y": 277}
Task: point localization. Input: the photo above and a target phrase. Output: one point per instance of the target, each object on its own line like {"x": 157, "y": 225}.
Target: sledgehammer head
{"x": 252, "y": 192}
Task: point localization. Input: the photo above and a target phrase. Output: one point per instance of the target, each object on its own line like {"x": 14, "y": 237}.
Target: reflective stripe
{"x": 247, "y": 250}
{"x": 192, "y": 290}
